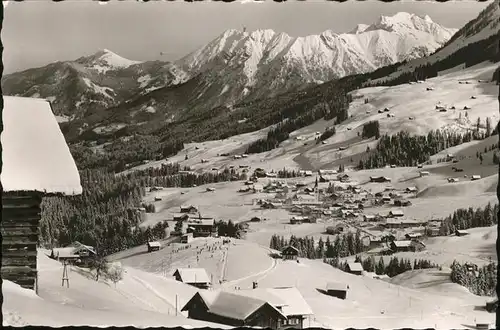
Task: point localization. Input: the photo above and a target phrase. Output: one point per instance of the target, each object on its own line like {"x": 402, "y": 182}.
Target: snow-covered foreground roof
{"x": 193, "y": 275}
{"x": 34, "y": 152}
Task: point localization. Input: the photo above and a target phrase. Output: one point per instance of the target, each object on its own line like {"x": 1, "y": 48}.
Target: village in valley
{"x": 367, "y": 200}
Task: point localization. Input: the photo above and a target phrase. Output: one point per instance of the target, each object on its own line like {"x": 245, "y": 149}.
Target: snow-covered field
{"x": 479, "y": 247}
{"x": 141, "y": 299}
{"x": 371, "y": 302}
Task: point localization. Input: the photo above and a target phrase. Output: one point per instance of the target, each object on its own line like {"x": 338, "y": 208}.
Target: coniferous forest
{"x": 481, "y": 281}
{"x": 403, "y": 149}
{"x": 394, "y": 267}
{"x": 342, "y": 246}
{"x": 108, "y": 213}
{"x": 468, "y": 218}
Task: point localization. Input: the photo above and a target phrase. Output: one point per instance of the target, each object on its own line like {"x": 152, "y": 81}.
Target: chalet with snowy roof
{"x": 36, "y": 162}
{"x": 410, "y": 190}
{"x": 395, "y": 214}
{"x": 74, "y": 253}
{"x": 424, "y": 173}
{"x": 181, "y": 217}
{"x": 308, "y": 173}
{"x": 187, "y": 238}
{"x": 201, "y": 228}
{"x": 369, "y": 217}
{"x": 402, "y": 203}
{"x": 379, "y": 179}
{"x": 153, "y": 246}
{"x": 325, "y": 178}
{"x": 337, "y": 290}
{"x": 290, "y": 253}
{"x": 271, "y": 205}
{"x": 475, "y": 177}
{"x": 413, "y": 236}
{"x": 196, "y": 277}
{"x": 432, "y": 231}
{"x": 298, "y": 220}
{"x": 401, "y": 223}
{"x": 188, "y": 209}
{"x": 274, "y": 308}
{"x": 407, "y": 246}
{"x": 459, "y": 232}
{"x": 355, "y": 268}
{"x": 401, "y": 246}
{"x": 343, "y": 177}
{"x": 327, "y": 172}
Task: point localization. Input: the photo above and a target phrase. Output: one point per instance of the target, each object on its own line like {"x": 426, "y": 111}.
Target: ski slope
{"x": 141, "y": 299}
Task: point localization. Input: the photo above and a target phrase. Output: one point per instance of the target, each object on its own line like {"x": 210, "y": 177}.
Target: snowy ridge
{"x": 486, "y": 25}
{"x": 248, "y": 61}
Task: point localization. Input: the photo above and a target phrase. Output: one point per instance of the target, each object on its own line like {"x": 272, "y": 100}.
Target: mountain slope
{"x": 90, "y": 83}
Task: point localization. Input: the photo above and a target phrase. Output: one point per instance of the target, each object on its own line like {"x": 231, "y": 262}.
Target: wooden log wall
{"x": 21, "y": 215}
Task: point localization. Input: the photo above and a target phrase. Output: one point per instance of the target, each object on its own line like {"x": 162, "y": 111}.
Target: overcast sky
{"x": 38, "y": 32}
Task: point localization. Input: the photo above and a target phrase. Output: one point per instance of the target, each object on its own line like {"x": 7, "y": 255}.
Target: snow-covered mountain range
{"x": 234, "y": 67}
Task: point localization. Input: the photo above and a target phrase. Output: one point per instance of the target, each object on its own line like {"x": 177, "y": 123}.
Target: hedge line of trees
{"x": 481, "y": 281}
{"x": 342, "y": 246}
{"x": 107, "y": 214}
{"x": 394, "y": 267}
{"x": 403, "y": 149}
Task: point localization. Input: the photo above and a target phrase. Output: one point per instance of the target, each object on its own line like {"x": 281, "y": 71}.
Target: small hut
{"x": 153, "y": 246}
{"x": 338, "y": 290}
{"x": 290, "y": 253}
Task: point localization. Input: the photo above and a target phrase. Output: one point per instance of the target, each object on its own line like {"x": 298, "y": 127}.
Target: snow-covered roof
{"x": 154, "y": 244}
{"x": 204, "y": 222}
{"x": 396, "y": 212}
{"x": 402, "y": 243}
{"x": 289, "y": 300}
{"x": 193, "y": 275}
{"x": 355, "y": 266}
{"x": 35, "y": 155}
{"x": 67, "y": 252}
{"x": 235, "y": 305}
{"x": 334, "y": 286}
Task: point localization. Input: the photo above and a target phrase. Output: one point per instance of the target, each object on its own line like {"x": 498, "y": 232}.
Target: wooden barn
{"x": 196, "y": 277}
{"x": 36, "y": 162}
{"x": 290, "y": 253}
{"x": 355, "y": 268}
{"x": 189, "y": 209}
{"x": 459, "y": 232}
{"x": 338, "y": 290}
{"x": 153, "y": 246}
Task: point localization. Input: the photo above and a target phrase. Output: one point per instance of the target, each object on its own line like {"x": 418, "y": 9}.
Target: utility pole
{"x": 176, "y": 305}
{"x": 65, "y": 274}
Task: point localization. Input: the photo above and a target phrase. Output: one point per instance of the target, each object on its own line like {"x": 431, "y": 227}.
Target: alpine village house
{"x": 36, "y": 162}
{"x": 274, "y": 308}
